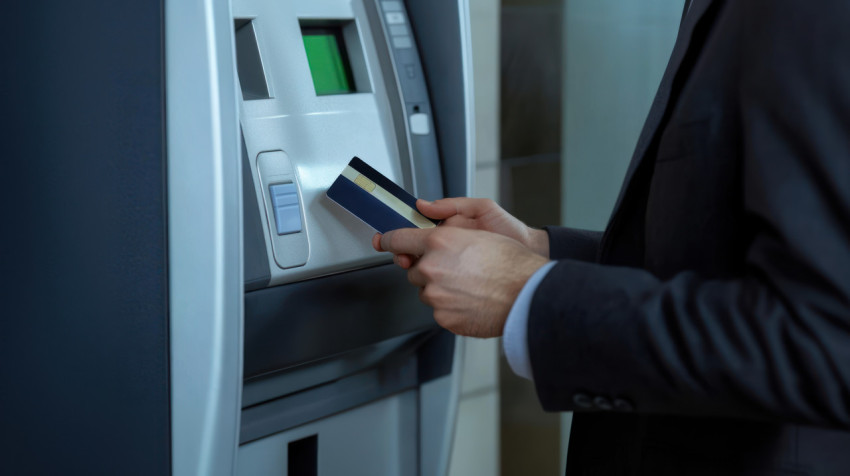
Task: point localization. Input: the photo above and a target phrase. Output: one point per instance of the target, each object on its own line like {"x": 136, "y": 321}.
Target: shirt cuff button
{"x": 582, "y": 400}
{"x": 603, "y": 403}
{"x": 623, "y": 405}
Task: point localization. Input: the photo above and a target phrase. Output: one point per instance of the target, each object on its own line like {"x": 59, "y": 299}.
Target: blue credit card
{"x": 375, "y": 199}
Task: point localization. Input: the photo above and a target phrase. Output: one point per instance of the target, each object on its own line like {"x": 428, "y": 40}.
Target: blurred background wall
{"x": 531, "y": 86}
{"x": 562, "y": 90}
{"x": 614, "y": 54}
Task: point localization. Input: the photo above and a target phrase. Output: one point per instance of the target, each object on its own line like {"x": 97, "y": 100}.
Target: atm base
{"x": 380, "y": 438}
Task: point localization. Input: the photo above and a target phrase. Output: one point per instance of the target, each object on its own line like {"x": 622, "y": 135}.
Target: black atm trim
{"x": 436, "y": 27}
{"x": 303, "y": 457}
{"x": 84, "y": 341}
{"x": 310, "y": 320}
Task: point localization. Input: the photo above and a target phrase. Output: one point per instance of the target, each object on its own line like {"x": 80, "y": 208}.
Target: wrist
{"x": 522, "y": 270}
{"x": 538, "y": 241}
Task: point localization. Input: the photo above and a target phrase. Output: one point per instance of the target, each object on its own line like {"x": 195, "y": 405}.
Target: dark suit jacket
{"x": 708, "y": 331}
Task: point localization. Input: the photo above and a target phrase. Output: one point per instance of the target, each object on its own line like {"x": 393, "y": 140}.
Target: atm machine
{"x": 186, "y": 300}
{"x": 343, "y": 369}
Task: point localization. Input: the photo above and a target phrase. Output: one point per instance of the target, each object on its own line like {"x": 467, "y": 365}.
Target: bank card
{"x": 375, "y": 199}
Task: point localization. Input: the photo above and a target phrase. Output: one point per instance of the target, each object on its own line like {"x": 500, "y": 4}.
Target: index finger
{"x": 449, "y": 207}
{"x": 410, "y": 241}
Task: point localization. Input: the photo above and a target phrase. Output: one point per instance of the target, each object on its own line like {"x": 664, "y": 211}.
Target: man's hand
{"x": 484, "y": 214}
{"x": 471, "y": 278}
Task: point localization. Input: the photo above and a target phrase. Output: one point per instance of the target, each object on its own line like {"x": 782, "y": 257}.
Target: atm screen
{"x": 328, "y": 61}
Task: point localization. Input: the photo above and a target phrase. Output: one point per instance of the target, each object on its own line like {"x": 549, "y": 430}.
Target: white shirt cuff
{"x": 515, "y": 340}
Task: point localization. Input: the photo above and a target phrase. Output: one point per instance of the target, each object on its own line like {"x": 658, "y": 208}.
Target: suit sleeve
{"x": 573, "y": 243}
{"x": 773, "y": 343}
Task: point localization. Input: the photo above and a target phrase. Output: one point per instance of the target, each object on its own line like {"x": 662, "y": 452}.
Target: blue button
{"x": 287, "y": 208}
{"x": 284, "y": 194}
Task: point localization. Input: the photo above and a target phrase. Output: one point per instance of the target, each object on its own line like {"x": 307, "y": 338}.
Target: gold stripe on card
{"x": 387, "y": 198}
{"x": 365, "y": 183}
{"x": 402, "y": 208}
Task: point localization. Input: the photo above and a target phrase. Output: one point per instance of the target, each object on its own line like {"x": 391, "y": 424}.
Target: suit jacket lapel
{"x": 685, "y": 11}
{"x": 661, "y": 103}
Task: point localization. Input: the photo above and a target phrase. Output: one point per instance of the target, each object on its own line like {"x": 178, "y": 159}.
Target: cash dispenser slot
{"x": 291, "y": 398}
{"x": 290, "y": 325}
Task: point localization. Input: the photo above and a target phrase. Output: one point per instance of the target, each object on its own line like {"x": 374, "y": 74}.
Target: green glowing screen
{"x": 328, "y": 65}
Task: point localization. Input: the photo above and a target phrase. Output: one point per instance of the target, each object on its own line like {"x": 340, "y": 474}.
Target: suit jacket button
{"x": 582, "y": 400}
{"x": 603, "y": 403}
{"x": 623, "y": 405}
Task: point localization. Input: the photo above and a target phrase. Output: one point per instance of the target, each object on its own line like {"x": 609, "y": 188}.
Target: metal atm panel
{"x": 315, "y": 135}
{"x": 331, "y": 327}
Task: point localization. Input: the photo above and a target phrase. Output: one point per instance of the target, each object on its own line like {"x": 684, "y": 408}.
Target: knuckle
{"x": 430, "y": 296}
{"x": 386, "y": 241}
{"x": 435, "y": 239}
{"x": 428, "y": 269}
{"x": 425, "y": 269}
{"x": 432, "y": 293}
{"x": 426, "y": 294}
{"x": 396, "y": 239}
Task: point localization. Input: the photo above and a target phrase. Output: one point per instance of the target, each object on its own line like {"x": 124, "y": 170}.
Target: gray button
{"x": 622, "y": 405}
{"x": 603, "y": 403}
{"x": 286, "y": 207}
{"x": 395, "y": 18}
{"x": 398, "y": 30}
{"x": 392, "y": 6}
{"x": 419, "y": 124}
{"x": 582, "y": 400}
{"x": 402, "y": 42}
